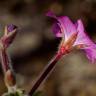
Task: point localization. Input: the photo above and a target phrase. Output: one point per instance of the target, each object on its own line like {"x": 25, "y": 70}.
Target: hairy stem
{"x": 9, "y": 75}
{"x": 4, "y": 60}
{"x": 45, "y": 72}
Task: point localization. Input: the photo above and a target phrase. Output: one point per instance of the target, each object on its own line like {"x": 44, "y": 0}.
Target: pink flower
{"x": 73, "y": 35}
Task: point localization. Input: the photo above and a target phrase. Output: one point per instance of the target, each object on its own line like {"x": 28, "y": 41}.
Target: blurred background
{"x": 35, "y": 45}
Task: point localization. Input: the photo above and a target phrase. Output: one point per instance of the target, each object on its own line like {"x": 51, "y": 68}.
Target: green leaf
{"x": 16, "y": 93}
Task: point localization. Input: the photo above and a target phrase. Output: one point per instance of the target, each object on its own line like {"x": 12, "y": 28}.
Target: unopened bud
{"x": 10, "y": 79}
{"x": 9, "y": 35}
{"x": 11, "y": 27}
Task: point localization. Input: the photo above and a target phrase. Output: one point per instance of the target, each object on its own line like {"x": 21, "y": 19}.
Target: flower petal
{"x": 51, "y": 14}
{"x": 91, "y": 53}
{"x": 56, "y": 29}
{"x": 66, "y": 27}
{"x": 82, "y": 37}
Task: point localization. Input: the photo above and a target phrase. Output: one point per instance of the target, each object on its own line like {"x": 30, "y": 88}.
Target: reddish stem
{"x": 4, "y": 60}
{"x": 9, "y": 75}
{"x": 45, "y": 72}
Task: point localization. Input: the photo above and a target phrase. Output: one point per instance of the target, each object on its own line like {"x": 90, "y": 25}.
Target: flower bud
{"x": 10, "y": 79}
{"x": 11, "y": 27}
{"x": 9, "y": 35}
